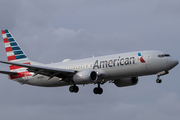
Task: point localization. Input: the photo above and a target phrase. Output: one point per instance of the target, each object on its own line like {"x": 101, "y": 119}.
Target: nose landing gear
{"x": 158, "y": 80}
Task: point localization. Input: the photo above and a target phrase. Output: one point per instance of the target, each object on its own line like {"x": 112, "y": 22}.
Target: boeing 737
{"x": 120, "y": 69}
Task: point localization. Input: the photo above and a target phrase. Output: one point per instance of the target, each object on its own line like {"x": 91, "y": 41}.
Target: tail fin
{"x": 13, "y": 50}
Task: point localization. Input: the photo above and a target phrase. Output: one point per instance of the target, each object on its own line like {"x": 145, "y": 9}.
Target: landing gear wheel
{"x": 158, "y": 80}
{"x": 74, "y": 89}
{"x": 98, "y": 90}
{"x": 71, "y": 88}
{"x": 95, "y": 90}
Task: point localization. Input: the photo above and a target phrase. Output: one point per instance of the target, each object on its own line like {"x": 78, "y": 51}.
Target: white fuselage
{"x": 109, "y": 67}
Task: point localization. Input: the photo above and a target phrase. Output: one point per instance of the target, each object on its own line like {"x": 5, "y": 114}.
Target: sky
{"x": 54, "y": 30}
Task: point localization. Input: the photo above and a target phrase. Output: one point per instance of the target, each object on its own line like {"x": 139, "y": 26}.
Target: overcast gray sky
{"x": 53, "y": 30}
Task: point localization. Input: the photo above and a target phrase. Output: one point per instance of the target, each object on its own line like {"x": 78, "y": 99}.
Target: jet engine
{"x": 126, "y": 82}
{"x": 86, "y": 76}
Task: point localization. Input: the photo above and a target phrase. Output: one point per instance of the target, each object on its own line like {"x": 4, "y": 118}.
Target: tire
{"x": 71, "y": 89}
{"x": 158, "y": 80}
{"x": 76, "y": 89}
{"x": 95, "y": 90}
{"x": 100, "y": 90}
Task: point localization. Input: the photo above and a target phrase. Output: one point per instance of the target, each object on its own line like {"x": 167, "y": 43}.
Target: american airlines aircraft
{"x": 121, "y": 69}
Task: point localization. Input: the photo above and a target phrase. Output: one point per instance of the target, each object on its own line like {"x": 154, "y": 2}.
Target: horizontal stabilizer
{"x": 8, "y": 72}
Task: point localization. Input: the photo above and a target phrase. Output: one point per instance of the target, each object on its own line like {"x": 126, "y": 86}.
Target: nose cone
{"x": 173, "y": 62}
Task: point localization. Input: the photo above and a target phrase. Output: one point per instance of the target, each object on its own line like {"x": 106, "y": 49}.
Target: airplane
{"x": 121, "y": 69}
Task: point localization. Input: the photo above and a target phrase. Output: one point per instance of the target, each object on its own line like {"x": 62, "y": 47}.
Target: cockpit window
{"x": 164, "y": 55}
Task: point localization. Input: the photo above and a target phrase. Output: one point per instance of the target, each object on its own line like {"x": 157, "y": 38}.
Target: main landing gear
{"x": 74, "y": 88}
{"x": 98, "y": 90}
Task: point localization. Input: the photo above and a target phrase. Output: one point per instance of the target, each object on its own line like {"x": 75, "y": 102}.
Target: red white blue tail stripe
{"x": 14, "y": 52}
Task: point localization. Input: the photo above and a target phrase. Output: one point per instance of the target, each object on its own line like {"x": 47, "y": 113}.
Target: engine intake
{"x": 126, "y": 82}
{"x": 86, "y": 76}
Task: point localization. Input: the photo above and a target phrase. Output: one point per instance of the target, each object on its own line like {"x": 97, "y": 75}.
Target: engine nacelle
{"x": 86, "y": 76}
{"x": 126, "y": 82}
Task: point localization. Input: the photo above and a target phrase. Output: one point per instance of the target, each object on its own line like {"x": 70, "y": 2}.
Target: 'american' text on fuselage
{"x": 113, "y": 63}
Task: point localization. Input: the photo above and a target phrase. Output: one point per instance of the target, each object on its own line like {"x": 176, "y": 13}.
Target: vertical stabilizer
{"x": 13, "y": 51}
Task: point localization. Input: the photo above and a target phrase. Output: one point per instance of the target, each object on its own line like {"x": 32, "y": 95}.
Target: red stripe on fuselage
{"x": 12, "y": 67}
{"x": 20, "y": 75}
{"x": 3, "y": 32}
{"x": 8, "y": 49}
{"x": 11, "y": 58}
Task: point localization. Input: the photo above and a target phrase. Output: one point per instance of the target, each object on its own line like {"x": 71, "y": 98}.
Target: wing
{"x": 48, "y": 71}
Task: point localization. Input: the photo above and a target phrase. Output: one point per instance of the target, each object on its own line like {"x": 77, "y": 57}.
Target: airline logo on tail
{"x": 13, "y": 50}
{"x": 15, "y": 54}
